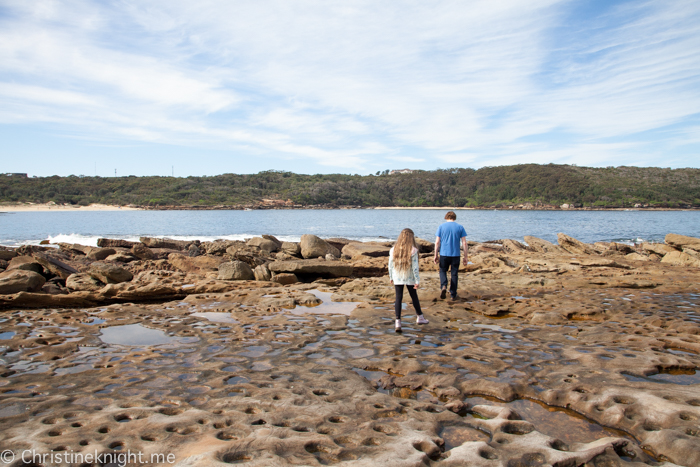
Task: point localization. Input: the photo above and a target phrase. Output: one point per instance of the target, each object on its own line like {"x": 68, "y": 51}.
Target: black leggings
{"x": 399, "y": 297}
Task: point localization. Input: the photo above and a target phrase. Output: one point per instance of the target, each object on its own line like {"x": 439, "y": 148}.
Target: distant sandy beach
{"x": 424, "y": 207}
{"x": 62, "y": 208}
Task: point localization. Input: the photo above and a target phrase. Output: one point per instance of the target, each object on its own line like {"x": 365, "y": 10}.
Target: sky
{"x": 183, "y": 88}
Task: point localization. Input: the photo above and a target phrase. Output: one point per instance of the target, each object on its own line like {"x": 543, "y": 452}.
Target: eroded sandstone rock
{"x": 680, "y": 258}
{"x": 542, "y": 246}
{"x": 264, "y": 244}
{"x": 313, "y": 247}
{"x": 683, "y": 241}
{"x": 19, "y": 280}
{"x": 371, "y": 249}
{"x": 575, "y": 246}
{"x": 313, "y": 267}
{"x": 115, "y": 243}
{"x": 109, "y": 273}
{"x": 83, "y": 282}
{"x": 98, "y": 254}
{"x": 235, "y": 271}
{"x": 25, "y": 263}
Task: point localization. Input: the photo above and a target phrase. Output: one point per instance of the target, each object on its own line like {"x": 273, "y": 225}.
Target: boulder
{"x": 114, "y": 243}
{"x": 312, "y": 267}
{"x": 235, "y": 271}
{"x": 637, "y": 257}
{"x": 141, "y": 251}
{"x": 120, "y": 257}
{"x": 514, "y": 246}
{"x": 109, "y": 273}
{"x": 614, "y": 247}
{"x": 424, "y": 246}
{"x": 338, "y": 242}
{"x": 3, "y": 264}
{"x": 75, "y": 248}
{"x": 262, "y": 273}
{"x": 83, "y": 282}
{"x": 683, "y": 241}
{"x": 264, "y": 244}
{"x": 693, "y": 253}
{"x": 99, "y": 254}
{"x": 313, "y": 247}
{"x": 575, "y": 247}
{"x": 291, "y": 248}
{"x": 54, "y": 286}
{"x": 198, "y": 264}
{"x": 371, "y": 249}
{"x": 7, "y": 254}
{"x": 193, "y": 251}
{"x": 169, "y": 243}
{"x": 658, "y": 248}
{"x": 542, "y": 246}
{"x": 219, "y": 247}
{"x": 285, "y": 278}
{"x": 20, "y": 281}
{"x": 54, "y": 266}
{"x": 25, "y": 263}
{"x": 679, "y": 258}
{"x": 272, "y": 238}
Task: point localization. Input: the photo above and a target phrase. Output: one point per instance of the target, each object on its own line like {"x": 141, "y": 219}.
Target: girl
{"x": 403, "y": 270}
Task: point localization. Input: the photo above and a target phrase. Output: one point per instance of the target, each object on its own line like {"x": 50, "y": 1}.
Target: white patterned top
{"x": 409, "y": 277}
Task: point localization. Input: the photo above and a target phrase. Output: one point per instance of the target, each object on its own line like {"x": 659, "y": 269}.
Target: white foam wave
{"x": 91, "y": 240}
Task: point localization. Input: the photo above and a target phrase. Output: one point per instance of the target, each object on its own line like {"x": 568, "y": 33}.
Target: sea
{"x": 85, "y": 227}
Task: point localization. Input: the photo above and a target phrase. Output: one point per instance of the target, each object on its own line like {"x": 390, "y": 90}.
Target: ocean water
{"x": 356, "y": 224}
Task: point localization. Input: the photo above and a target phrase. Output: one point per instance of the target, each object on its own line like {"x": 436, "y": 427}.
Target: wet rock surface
{"x": 547, "y": 358}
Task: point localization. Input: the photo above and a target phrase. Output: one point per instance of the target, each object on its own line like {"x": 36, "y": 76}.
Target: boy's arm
{"x": 465, "y": 247}
{"x": 437, "y": 249}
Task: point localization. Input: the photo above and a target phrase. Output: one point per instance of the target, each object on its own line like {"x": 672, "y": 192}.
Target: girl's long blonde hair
{"x": 403, "y": 248}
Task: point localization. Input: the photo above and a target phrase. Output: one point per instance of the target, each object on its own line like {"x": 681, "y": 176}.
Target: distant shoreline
{"x": 105, "y": 207}
{"x": 64, "y": 208}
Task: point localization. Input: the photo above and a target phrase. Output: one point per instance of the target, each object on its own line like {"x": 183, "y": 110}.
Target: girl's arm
{"x": 416, "y": 269}
{"x": 391, "y": 267}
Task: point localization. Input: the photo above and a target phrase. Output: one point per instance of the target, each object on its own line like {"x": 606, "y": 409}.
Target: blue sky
{"x": 217, "y": 86}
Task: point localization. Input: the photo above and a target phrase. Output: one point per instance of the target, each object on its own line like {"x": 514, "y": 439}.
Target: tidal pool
{"x": 135, "y": 334}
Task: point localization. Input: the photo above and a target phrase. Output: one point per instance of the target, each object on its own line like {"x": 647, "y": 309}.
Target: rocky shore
{"x": 282, "y": 353}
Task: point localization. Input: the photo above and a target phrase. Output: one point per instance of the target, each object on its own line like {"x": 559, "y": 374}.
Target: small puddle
{"x": 216, "y": 317}
{"x": 135, "y": 334}
{"x": 681, "y": 377}
{"x": 565, "y": 425}
{"x": 327, "y": 306}
{"x": 6, "y": 335}
{"x": 493, "y": 327}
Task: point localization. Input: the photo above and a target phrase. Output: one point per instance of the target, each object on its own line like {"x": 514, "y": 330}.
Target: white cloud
{"x": 350, "y": 84}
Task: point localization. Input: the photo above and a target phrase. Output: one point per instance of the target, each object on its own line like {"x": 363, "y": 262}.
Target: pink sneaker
{"x": 421, "y": 320}
{"x": 398, "y": 326}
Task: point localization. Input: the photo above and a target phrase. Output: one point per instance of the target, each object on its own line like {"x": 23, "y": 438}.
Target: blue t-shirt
{"x": 450, "y": 233}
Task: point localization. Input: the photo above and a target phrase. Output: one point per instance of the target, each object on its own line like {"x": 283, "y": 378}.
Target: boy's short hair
{"x": 451, "y": 216}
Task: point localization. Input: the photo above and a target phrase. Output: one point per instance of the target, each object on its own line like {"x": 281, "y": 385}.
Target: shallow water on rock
{"x": 327, "y": 306}
{"x": 216, "y": 317}
{"x": 135, "y": 334}
{"x": 275, "y": 364}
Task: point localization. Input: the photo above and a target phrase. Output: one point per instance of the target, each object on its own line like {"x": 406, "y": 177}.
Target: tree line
{"x": 538, "y": 185}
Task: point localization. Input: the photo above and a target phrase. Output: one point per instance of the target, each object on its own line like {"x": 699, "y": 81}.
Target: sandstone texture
{"x": 313, "y": 247}
{"x": 371, "y": 249}
{"x": 563, "y": 355}
{"x": 235, "y": 271}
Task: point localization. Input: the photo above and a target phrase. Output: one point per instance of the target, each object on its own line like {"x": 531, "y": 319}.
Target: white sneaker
{"x": 398, "y": 326}
{"x": 421, "y": 320}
